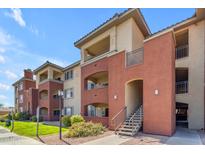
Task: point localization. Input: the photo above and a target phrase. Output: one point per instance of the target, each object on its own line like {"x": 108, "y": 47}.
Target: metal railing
{"x": 139, "y": 112}
{"x": 181, "y": 87}
{"x": 119, "y": 118}
{"x": 182, "y": 51}
{"x": 135, "y": 57}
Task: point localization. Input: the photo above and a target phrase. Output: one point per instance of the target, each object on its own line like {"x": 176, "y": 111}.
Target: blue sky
{"x": 29, "y": 37}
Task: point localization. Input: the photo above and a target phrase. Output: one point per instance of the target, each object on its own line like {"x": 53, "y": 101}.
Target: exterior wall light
{"x": 156, "y": 92}
{"x": 115, "y": 96}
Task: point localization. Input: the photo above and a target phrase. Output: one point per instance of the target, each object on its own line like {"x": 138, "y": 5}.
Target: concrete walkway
{"x": 109, "y": 140}
{"x": 184, "y": 136}
{"x": 8, "y": 138}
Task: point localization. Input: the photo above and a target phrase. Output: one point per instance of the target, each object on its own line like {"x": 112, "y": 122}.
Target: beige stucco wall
{"x": 125, "y": 36}
{"x": 133, "y": 96}
{"x": 50, "y": 74}
{"x": 195, "y": 64}
{"x": 74, "y": 83}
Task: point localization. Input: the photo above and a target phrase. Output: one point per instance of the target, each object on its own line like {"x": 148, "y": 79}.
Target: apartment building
{"x": 49, "y": 80}
{"x": 72, "y": 86}
{"x": 22, "y": 88}
{"x": 131, "y": 78}
{"x": 43, "y": 92}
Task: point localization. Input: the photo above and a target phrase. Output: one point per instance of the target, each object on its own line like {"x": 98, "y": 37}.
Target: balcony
{"x": 96, "y": 95}
{"x": 182, "y": 51}
{"x": 135, "y": 57}
{"x": 182, "y": 44}
{"x": 181, "y": 87}
{"x": 182, "y": 80}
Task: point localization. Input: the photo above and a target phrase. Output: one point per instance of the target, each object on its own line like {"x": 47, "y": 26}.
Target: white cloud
{"x": 34, "y": 30}
{"x": 17, "y": 15}
{"x": 2, "y": 50}
{"x": 2, "y": 97}
{"x": 11, "y": 75}
{"x": 2, "y": 59}
{"x": 4, "y": 86}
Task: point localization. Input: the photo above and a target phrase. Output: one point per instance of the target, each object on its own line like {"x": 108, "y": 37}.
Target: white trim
{"x": 170, "y": 29}
{"x": 159, "y": 34}
{"x": 104, "y": 55}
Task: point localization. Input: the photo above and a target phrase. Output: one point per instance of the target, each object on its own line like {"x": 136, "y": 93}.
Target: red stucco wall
{"x": 157, "y": 72}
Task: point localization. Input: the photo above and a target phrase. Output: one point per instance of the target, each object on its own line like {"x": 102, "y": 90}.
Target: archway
{"x": 133, "y": 95}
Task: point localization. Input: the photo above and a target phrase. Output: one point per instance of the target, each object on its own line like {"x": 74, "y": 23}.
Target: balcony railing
{"x": 97, "y": 86}
{"x": 181, "y": 87}
{"x": 134, "y": 57}
{"x": 182, "y": 51}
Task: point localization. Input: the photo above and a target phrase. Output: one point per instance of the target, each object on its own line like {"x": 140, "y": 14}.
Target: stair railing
{"x": 119, "y": 118}
{"x": 131, "y": 121}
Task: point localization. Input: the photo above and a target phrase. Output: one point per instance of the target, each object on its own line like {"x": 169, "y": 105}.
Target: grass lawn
{"x": 29, "y": 128}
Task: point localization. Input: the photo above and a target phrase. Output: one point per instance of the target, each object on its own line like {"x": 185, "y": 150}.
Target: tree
{"x": 1, "y": 105}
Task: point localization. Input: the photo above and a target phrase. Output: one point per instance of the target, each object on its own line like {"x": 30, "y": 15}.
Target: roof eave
{"x": 112, "y": 22}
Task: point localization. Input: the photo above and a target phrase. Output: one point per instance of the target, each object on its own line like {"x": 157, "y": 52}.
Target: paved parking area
{"x": 8, "y": 138}
{"x": 185, "y": 136}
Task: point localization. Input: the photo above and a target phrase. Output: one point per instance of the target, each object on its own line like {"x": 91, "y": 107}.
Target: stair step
{"x": 125, "y": 133}
{"x": 130, "y": 123}
{"x": 125, "y": 129}
{"x": 128, "y": 126}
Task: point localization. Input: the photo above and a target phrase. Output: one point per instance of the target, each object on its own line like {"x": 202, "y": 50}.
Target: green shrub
{"x": 76, "y": 119}
{"x": 18, "y": 115}
{"x": 8, "y": 123}
{"x": 66, "y": 121}
{"x": 22, "y": 116}
{"x": 84, "y": 129}
{"x": 34, "y": 118}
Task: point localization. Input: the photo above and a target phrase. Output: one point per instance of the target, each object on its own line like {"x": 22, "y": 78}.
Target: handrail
{"x": 115, "y": 118}
{"x": 139, "y": 110}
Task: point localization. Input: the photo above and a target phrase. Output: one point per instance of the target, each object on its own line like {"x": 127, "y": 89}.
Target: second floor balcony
{"x": 181, "y": 87}
{"x": 182, "y": 51}
{"x": 134, "y": 57}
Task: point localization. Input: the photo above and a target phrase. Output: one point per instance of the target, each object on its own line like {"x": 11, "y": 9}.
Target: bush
{"x": 17, "y": 116}
{"x": 34, "y": 118}
{"x": 66, "y": 121}
{"x": 8, "y": 123}
{"x": 76, "y": 119}
{"x": 84, "y": 129}
{"x": 22, "y": 116}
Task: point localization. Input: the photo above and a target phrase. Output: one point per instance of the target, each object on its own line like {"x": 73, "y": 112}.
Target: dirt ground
{"x": 54, "y": 139}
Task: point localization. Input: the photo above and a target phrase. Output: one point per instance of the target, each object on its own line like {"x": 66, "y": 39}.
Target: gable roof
{"x": 116, "y": 19}
{"x": 47, "y": 63}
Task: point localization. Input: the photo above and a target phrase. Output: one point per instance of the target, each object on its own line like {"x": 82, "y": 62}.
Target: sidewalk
{"x": 109, "y": 140}
{"x": 8, "y": 138}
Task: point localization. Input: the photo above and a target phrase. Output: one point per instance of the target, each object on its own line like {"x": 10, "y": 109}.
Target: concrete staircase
{"x": 132, "y": 124}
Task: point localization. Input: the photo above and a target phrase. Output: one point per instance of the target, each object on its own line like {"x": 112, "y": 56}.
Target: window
{"x": 56, "y": 112}
{"x": 69, "y": 93}
{"x": 68, "y": 111}
{"x": 69, "y": 75}
{"x": 21, "y": 86}
{"x": 20, "y": 98}
{"x": 21, "y": 109}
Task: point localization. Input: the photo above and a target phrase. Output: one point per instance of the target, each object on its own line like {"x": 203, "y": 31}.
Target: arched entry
{"x": 133, "y": 95}
{"x": 181, "y": 114}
